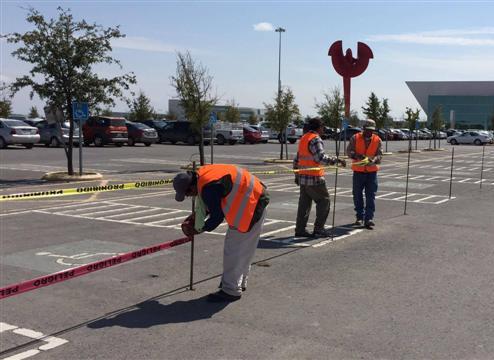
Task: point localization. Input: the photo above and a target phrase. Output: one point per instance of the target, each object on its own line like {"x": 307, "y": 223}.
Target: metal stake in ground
{"x": 482, "y": 166}
{"x": 334, "y": 197}
{"x": 408, "y": 174}
{"x": 451, "y": 176}
{"x": 191, "y": 284}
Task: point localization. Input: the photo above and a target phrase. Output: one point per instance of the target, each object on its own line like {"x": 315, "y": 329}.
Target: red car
{"x": 105, "y": 130}
{"x": 251, "y": 135}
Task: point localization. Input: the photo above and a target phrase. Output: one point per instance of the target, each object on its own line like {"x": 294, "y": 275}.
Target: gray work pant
{"x": 319, "y": 194}
{"x": 237, "y": 256}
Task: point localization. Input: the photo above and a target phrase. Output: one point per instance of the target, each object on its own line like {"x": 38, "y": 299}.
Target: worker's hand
{"x": 371, "y": 161}
{"x": 359, "y": 157}
{"x": 297, "y": 180}
{"x": 188, "y": 226}
{"x": 342, "y": 162}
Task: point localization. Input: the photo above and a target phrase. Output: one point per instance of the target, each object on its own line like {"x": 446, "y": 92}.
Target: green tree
{"x": 411, "y": 118}
{"x": 281, "y": 112}
{"x": 332, "y": 108}
{"x": 383, "y": 116}
{"x": 193, "y": 85}
{"x": 354, "y": 119}
{"x": 372, "y": 110}
{"x": 5, "y": 108}
{"x": 437, "y": 122}
{"x": 252, "y": 120}
{"x": 33, "y": 113}
{"x": 232, "y": 113}
{"x": 63, "y": 53}
{"x": 141, "y": 108}
{"x": 170, "y": 116}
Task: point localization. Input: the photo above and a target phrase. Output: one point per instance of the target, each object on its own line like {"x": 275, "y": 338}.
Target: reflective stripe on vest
{"x": 240, "y": 203}
{"x": 361, "y": 149}
{"x": 306, "y": 158}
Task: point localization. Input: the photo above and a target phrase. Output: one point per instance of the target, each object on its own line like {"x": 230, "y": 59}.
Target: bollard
{"x": 451, "y": 176}
{"x": 191, "y": 283}
{"x": 482, "y": 166}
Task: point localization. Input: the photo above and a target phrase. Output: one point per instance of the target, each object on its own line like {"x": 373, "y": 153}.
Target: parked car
{"x": 399, "y": 135}
{"x": 348, "y": 133}
{"x": 264, "y": 133}
{"x": 469, "y": 137}
{"x": 157, "y": 125}
{"x": 55, "y": 135}
{"x": 140, "y": 133}
{"x": 225, "y": 132}
{"x": 251, "y": 135}
{"x": 102, "y": 130}
{"x": 294, "y": 133}
{"x": 273, "y": 134}
{"x": 182, "y": 131}
{"x": 13, "y": 132}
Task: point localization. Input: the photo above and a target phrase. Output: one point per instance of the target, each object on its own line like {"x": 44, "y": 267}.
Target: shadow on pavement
{"x": 5, "y": 184}
{"x": 151, "y": 313}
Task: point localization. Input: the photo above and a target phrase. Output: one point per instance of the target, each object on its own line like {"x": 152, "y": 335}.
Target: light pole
{"x": 281, "y": 30}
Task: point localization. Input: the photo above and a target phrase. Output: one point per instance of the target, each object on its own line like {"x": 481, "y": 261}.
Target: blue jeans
{"x": 368, "y": 182}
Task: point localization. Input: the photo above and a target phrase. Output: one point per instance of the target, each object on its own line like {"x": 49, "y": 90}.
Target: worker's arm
{"x": 211, "y": 196}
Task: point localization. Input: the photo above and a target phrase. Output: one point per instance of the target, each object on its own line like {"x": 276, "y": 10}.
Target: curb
{"x": 406, "y": 151}
{"x": 431, "y": 149}
{"x": 63, "y": 176}
{"x": 387, "y": 153}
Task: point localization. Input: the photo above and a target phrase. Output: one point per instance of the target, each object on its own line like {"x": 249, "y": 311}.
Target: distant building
{"x": 245, "y": 112}
{"x": 465, "y": 104}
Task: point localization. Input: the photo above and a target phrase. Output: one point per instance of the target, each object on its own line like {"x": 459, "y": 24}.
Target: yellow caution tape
{"x": 84, "y": 190}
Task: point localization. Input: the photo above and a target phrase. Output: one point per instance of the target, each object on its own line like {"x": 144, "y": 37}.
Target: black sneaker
{"x": 358, "y": 222}
{"x": 221, "y": 296}
{"x": 369, "y": 224}
{"x": 304, "y": 233}
{"x": 322, "y": 233}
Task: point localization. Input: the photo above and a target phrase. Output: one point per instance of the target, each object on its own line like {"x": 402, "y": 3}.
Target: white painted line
{"x": 53, "y": 342}
{"x": 23, "y": 355}
{"x": 325, "y": 242}
{"x": 386, "y": 194}
{"x": 154, "y": 215}
{"x": 270, "y": 222}
{"x": 464, "y": 180}
{"x": 432, "y": 178}
{"x": 29, "y": 333}
{"x": 166, "y": 220}
{"x": 417, "y": 177}
{"x": 444, "y": 200}
{"x": 85, "y": 209}
{"x": 6, "y": 327}
{"x": 343, "y": 192}
{"x": 404, "y": 196}
{"x": 133, "y": 212}
{"x": 130, "y": 207}
{"x": 278, "y": 230}
{"x": 426, "y": 198}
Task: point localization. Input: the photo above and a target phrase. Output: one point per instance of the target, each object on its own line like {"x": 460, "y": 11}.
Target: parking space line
{"x": 85, "y": 209}
{"x": 114, "y": 210}
{"x": 132, "y": 213}
{"x": 167, "y": 220}
{"x": 154, "y": 215}
{"x": 385, "y": 194}
{"x": 269, "y": 233}
{"x": 426, "y": 198}
{"x": 464, "y": 180}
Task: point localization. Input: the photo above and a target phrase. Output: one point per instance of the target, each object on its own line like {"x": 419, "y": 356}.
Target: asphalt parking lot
{"x": 417, "y": 286}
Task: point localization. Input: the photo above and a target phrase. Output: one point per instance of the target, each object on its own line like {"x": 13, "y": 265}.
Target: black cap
{"x": 181, "y": 184}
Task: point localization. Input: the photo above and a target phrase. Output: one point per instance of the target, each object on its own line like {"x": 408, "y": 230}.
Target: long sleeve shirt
{"x": 316, "y": 148}
{"x": 350, "y": 149}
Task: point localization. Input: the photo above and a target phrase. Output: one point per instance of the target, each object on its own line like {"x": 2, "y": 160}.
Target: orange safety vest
{"x": 240, "y": 203}
{"x": 306, "y": 158}
{"x": 370, "y": 151}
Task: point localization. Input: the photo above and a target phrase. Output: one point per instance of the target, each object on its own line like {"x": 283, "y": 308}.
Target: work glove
{"x": 342, "y": 162}
{"x": 188, "y": 226}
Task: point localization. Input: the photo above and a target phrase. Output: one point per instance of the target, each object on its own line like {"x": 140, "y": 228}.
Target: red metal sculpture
{"x": 347, "y": 66}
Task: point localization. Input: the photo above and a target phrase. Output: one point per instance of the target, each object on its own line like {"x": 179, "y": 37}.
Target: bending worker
{"x": 365, "y": 150}
{"x": 232, "y": 193}
{"x": 312, "y": 183}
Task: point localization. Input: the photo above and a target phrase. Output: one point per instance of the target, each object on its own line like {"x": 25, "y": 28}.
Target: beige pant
{"x": 237, "y": 257}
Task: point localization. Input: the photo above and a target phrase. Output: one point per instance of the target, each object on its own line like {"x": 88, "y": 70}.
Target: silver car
{"x": 53, "y": 135}
{"x": 469, "y": 137}
{"x": 13, "y": 132}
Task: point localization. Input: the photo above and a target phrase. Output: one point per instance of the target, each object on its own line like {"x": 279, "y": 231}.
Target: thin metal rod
{"x": 408, "y": 174}
{"x": 482, "y": 167}
{"x": 191, "y": 283}
{"x": 386, "y": 141}
{"x": 451, "y": 176}
{"x": 80, "y": 147}
{"x": 212, "y": 142}
{"x": 334, "y": 197}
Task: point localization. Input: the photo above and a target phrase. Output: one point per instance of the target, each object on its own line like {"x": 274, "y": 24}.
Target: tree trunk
{"x": 68, "y": 153}
{"x": 281, "y": 150}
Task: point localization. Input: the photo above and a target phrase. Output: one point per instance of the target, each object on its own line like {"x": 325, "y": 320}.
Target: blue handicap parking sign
{"x": 345, "y": 124}
{"x": 80, "y": 110}
{"x": 213, "y": 118}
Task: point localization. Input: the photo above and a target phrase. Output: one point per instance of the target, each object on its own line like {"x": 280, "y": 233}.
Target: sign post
{"x": 213, "y": 119}
{"x": 345, "y": 126}
{"x": 80, "y": 112}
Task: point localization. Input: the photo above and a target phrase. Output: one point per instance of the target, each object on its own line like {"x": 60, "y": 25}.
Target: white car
{"x": 469, "y": 137}
{"x": 14, "y": 132}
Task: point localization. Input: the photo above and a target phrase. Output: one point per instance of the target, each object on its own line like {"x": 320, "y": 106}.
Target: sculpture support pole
{"x": 346, "y": 93}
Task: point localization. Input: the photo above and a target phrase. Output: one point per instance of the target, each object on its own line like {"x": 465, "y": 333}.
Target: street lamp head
{"x": 280, "y": 30}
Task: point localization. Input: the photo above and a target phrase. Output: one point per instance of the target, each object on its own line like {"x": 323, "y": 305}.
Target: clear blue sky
{"x": 411, "y": 40}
